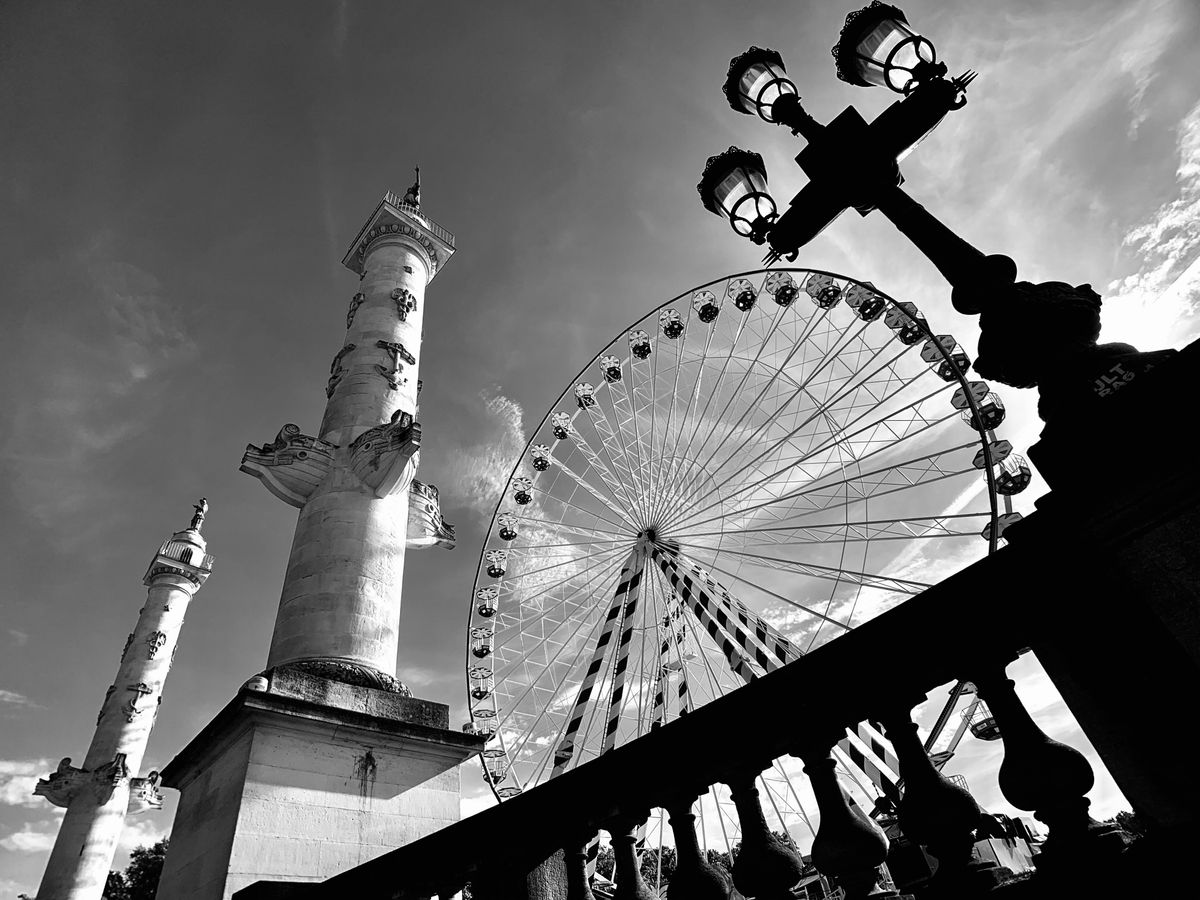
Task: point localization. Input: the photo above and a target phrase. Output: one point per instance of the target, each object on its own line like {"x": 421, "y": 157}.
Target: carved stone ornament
{"x": 385, "y": 457}
{"x": 125, "y": 649}
{"x": 336, "y": 365}
{"x": 107, "y": 694}
{"x": 67, "y": 782}
{"x": 391, "y": 372}
{"x": 426, "y": 527}
{"x": 347, "y": 673}
{"x": 131, "y": 708}
{"x": 154, "y": 642}
{"x": 384, "y": 229}
{"x": 405, "y": 302}
{"x": 355, "y": 302}
{"x": 291, "y": 466}
{"x": 144, "y": 794}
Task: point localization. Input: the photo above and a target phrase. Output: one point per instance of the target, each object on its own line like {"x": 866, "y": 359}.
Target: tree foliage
{"x": 139, "y": 881}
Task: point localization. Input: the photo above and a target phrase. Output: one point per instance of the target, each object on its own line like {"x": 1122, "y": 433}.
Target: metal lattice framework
{"x": 740, "y": 476}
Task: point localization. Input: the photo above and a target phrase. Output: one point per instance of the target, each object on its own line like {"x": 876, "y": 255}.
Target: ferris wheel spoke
{"x": 554, "y": 498}
{"x": 930, "y": 476}
{"x": 591, "y": 489}
{"x": 716, "y": 388}
{"x": 909, "y": 528}
{"x": 813, "y": 570}
{"x": 821, "y": 318}
{"x": 559, "y": 528}
{"x": 821, "y": 410}
{"x": 597, "y": 465}
{"x": 510, "y": 579}
{"x": 613, "y": 449}
{"x": 627, "y": 415}
{"x": 712, "y": 564}
{"x": 693, "y": 396}
{"x": 845, "y": 435}
{"x": 526, "y": 600}
{"x": 848, "y": 335}
{"x": 515, "y": 705}
{"x": 521, "y": 552}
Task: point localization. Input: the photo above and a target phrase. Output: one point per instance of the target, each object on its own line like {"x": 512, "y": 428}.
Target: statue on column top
{"x": 201, "y": 509}
{"x": 414, "y": 193}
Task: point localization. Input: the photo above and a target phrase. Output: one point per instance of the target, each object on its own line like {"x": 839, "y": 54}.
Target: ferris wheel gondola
{"x": 742, "y": 475}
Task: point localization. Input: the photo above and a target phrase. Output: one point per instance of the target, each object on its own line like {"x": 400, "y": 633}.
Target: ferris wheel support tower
{"x": 325, "y": 759}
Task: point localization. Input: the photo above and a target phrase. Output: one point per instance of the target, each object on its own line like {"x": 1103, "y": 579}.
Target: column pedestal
{"x": 300, "y": 778}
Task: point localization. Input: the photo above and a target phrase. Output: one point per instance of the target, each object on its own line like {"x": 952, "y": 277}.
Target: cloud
{"x": 20, "y": 638}
{"x": 478, "y": 472}
{"x": 1157, "y": 304}
{"x": 12, "y": 698}
{"x": 468, "y": 806}
{"x": 141, "y": 832}
{"x": 34, "y": 837}
{"x": 18, "y": 778}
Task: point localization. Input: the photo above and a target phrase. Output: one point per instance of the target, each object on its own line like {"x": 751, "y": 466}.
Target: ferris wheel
{"x": 742, "y": 475}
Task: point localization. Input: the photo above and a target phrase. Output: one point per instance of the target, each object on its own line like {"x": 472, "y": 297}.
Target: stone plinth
{"x": 305, "y": 779}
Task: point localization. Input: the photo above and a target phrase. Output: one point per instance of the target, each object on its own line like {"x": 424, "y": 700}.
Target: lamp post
{"x": 1041, "y": 335}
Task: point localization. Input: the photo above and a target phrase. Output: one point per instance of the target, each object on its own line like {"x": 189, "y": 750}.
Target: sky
{"x": 179, "y": 186}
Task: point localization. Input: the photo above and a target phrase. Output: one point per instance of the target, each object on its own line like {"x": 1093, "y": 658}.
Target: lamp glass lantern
{"x": 734, "y": 185}
{"x": 755, "y": 81}
{"x": 877, "y": 47}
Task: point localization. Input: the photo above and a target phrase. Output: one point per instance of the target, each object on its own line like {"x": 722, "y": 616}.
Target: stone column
{"x": 98, "y": 795}
{"x": 339, "y": 611}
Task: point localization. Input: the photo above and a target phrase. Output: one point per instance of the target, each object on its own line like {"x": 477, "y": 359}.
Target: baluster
{"x": 627, "y": 867}
{"x": 849, "y": 846}
{"x": 1038, "y": 773}
{"x": 766, "y": 868}
{"x": 936, "y": 812}
{"x": 575, "y": 858}
{"x": 695, "y": 877}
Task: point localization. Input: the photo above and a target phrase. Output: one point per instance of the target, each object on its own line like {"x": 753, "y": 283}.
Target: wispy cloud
{"x": 87, "y": 386}
{"x": 477, "y": 473}
{"x": 12, "y": 698}
{"x": 20, "y": 638}
{"x": 1157, "y": 304}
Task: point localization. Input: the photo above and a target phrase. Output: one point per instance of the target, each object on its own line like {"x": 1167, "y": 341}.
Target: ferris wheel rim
{"x": 984, "y": 436}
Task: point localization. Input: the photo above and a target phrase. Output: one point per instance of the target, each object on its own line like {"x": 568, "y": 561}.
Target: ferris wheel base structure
{"x": 300, "y": 777}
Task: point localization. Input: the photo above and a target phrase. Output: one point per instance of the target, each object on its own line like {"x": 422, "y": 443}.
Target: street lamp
{"x": 1031, "y": 334}
{"x": 878, "y": 48}
{"x": 734, "y": 185}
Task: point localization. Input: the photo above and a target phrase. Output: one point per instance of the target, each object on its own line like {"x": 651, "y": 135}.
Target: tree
{"x": 140, "y": 879}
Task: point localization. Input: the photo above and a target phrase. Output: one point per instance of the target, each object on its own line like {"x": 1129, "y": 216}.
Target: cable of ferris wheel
{"x": 565, "y": 467}
{"x": 689, "y": 520}
{"x": 712, "y": 565}
{"x": 856, "y": 524}
{"x": 716, "y": 388}
{"x": 824, "y": 408}
{"x": 796, "y": 565}
{"x": 829, "y": 354}
{"x": 708, "y": 338}
{"x": 580, "y": 612}
{"x": 688, "y": 514}
{"x": 862, "y": 498}
{"x": 631, "y": 481}
{"x": 762, "y": 345}
{"x": 645, "y": 477}
{"x": 843, "y": 340}
{"x": 586, "y": 512}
